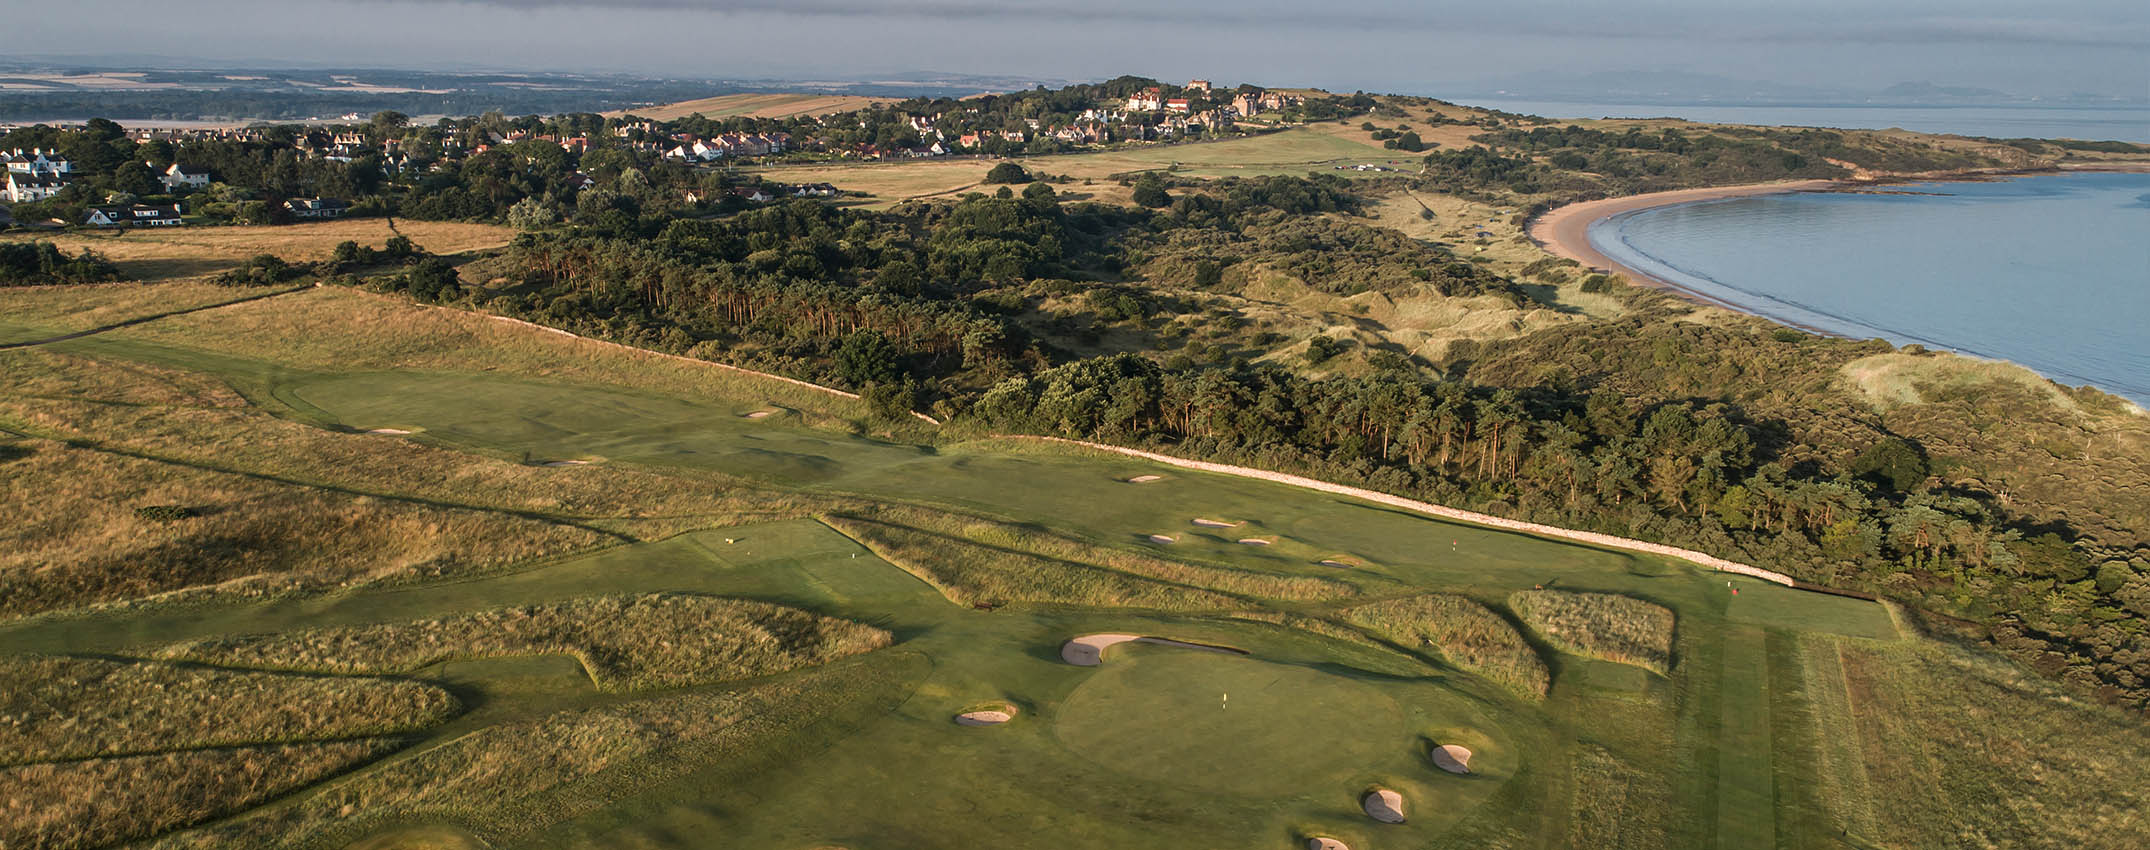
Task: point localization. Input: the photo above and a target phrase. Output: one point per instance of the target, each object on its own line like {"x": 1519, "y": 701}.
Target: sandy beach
{"x": 1565, "y": 231}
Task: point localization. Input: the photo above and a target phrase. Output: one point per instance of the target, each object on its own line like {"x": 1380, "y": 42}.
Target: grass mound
{"x": 1460, "y": 631}
{"x": 627, "y": 643}
{"x": 1035, "y": 541}
{"x": 100, "y": 802}
{"x": 975, "y": 574}
{"x": 72, "y": 708}
{"x": 1600, "y": 625}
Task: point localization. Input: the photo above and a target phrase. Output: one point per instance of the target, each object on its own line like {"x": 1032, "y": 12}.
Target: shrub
{"x": 1008, "y": 172}
{"x": 163, "y": 513}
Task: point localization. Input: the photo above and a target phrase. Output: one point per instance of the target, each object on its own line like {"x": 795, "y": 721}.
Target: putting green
{"x": 1229, "y": 723}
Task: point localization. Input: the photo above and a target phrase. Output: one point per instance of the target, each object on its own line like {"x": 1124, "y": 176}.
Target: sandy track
{"x": 1588, "y": 537}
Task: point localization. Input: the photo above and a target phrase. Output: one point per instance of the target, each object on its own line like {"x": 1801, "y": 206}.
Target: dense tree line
{"x": 43, "y": 264}
{"x": 1699, "y": 475}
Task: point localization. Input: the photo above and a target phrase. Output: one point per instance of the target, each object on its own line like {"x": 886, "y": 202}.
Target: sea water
{"x": 2052, "y": 272}
{"x": 2123, "y": 122}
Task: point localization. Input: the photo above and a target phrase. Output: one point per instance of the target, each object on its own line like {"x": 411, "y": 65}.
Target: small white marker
{"x": 1225, "y": 703}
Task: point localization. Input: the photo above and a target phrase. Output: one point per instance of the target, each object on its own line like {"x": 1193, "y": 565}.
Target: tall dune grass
{"x": 1459, "y": 631}
{"x": 973, "y": 574}
{"x": 1600, "y": 625}
{"x": 627, "y": 643}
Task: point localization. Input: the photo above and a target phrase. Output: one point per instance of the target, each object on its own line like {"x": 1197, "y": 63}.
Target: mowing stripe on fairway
{"x": 1746, "y": 785}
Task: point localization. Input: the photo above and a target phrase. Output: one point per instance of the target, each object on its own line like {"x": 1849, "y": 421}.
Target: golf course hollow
{"x": 1453, "y": 758}
{"x": 1217, "y": 523}
{"x": 1283, "y": 728}
{"x": 1383, "y": 805}
{"x": 1089, "y": 650}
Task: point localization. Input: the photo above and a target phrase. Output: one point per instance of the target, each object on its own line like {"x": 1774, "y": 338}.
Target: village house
{"x": 134, "y": 215}
{"x": 24, "y": 187}
{"x": 37, "y": 161}
{"x": 1198, "y": 85}
{"x": 1177, "y": 104}
{"x": 176, "y": 178}
{"x": 316, "y": 207}
{"x": 1146, "y": 100}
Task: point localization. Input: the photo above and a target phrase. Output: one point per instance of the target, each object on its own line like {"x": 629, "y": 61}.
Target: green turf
{"x": 1142, "y": 752}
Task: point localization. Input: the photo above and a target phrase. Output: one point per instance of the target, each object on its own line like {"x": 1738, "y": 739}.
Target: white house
{"x": 134, "y": 215}
{"x": 24, "y": 187}
{"x": 176, "y": 178}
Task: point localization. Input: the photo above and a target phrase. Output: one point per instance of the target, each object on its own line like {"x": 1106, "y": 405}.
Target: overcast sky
{"x": 1415, "y": 46}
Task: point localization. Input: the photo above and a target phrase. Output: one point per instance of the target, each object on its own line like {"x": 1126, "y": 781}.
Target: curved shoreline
{"x": 1564, "y": 231}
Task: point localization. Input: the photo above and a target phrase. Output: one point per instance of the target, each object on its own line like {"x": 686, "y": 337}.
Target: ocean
{"x": 2118, "y": 123}
{"x": 2051, "y": 272}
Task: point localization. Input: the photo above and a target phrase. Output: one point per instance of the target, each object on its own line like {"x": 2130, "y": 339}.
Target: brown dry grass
{"x": 1965, "y": 751}
{"x": 627, "y": 643}
{"x": 59, "y": 708}
{"x": 105, "y": 801}
{"x": 38, "y": 312}
{"x": 1457, "y": 630}
{"x": 515, "y": 779}
{"x": 73, "y": 537}
{"x": 974, "y": 574}
{"x": 1600, "y": 625}
{"x": 157, "y": 254}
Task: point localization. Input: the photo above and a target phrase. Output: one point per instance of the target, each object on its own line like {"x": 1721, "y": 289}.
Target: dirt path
{"x": 1588, "y": 537}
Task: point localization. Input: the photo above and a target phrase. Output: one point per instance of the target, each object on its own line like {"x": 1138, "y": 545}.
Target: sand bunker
{"x": 1163, "y": 538}
{"x": 1452, "y": 758}
{"x": 759, "y": 414}
{"x": 389, "y": 432}
{"x": 1217, "y": 523}
{"x": 1325, "y": 843}
{"x": 986, "y": 716}
{"x": 559, "y": 463}
{"x": 1341, "y": 565}
{"x": 1145, "y": 479}
{"x": 1383, "y": 805}
{"x": 1089, "y": 650}
{"x": 1253, "y": 541}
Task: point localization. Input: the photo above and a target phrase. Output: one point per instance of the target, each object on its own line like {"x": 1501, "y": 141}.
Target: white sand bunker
{"x": 1217, "y": 523}
{"x": 986, "y": 716}
{"x": 388, "y": 432}
{"x": 1332, "y": 562}
{"x": 1452, "y": 758}
{"x": 1089, "y": 650}
{"x": 1383, "y": 805}
{"x": 1253, "y": 541}
{"x": 1163, "y": 538}
{"x": 1145, "y": 479}
{"x": 759, "y": 414}
{"x": 560, "y": 463}
{"x": 1322, "y": 842}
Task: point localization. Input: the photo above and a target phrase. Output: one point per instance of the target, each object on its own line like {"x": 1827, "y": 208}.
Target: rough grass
{"x": 74, "y": 539}
{"x": 1459, "y": 631}
{"x": 39, "y": 312}
{"x": 627, "y": 643}
{"x": 59, "y": 708}
{"x": 975, "y": 574}
{"x": 1035, "y": 541}
{"x": 153, "y": 254}
{"x": 1966, "y": 751}
{"x": 520, "y": 777}
{"x": 1617, "y": 805}
{"x": 1600, "y": 625}
{"x": 100, "y": 802}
